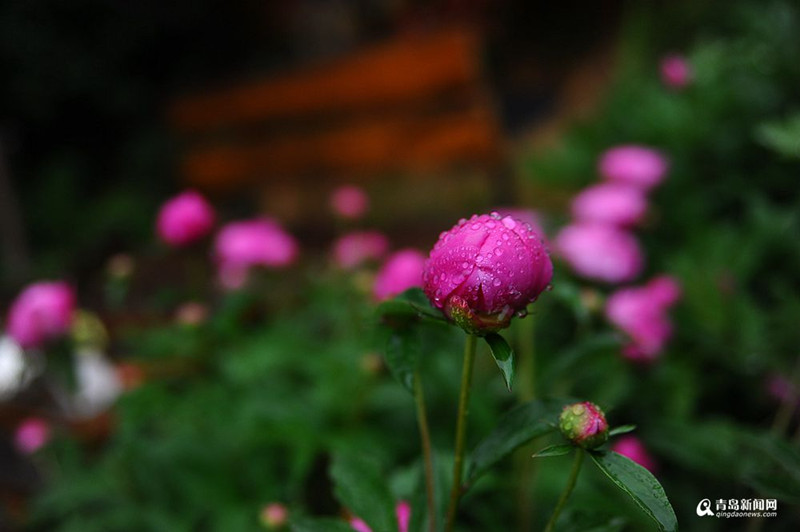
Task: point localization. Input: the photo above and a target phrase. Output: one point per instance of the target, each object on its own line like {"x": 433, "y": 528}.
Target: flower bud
{"x": 600, "y": 252}
{"x": 274, "y": 516}
{"x": 584, "y": 424}
{"x": 41, "y": 312}
{"x": 633, "y": 448}
{"x": 484, "y": 270}
{"x": 349, "y": 201}
{"x": 184, "y": 219}
{"x": 402, "y": 270}
{"x": 676, "y": 72}
{"x": 633, "y": 165}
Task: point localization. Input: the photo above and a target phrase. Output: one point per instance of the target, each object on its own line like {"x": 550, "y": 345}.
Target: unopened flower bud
{"x": 584, "y": 424}
{"x": 485, "y": 270}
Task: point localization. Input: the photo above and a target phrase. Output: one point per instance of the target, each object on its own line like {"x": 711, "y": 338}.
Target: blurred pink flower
{"x": 349, "y": 201}
{"x": 191, "y": 313}
{"x": 634, "y": 165}
{"x": 528, "y": 216}
{"x": 610, "y": 203}
{"x": 641, "y": 313}
{"x": 274, "y": 516}
{"x": 260, "y": 242}
{"x": 600, "y": 252}
{"x": 485, "y": 269}
{"x": 42, "y": 311}
{"x": 665, "y": 290}
{"x": 184, "y": 219}
{"x": 353, "y": 249}
{"x": 31, "y": 435}
{"x": 401, "y": 271}
{"x": 633, "y": 448}
{"x": 781, "y": 389}
{"x": 403, "y": 512}
{"x": 676, "y": 72}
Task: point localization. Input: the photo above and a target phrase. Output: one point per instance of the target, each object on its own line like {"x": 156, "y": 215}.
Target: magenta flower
{"x": 633, "y": 448}
{"x": 31, "y": 435}
{"x": 633, "y": 165}
{"x": 274, "y": 516}
{"x": 485, "y": 269}
{"x": 584, "y": 424}
{"x": 641, "y": 313}
{"x": 184, "y": 219}
{"x": 528, "y": 216}
{"x": 401, "y": 271}
{"x": 781, "y": 389}
{"x": 600, "y": 252}
{"x": 676, "y": 72}
{"x": 42, "y": 311}
{"x": 610, "y": 203}
{"x": 403, "y": 512}
{"x": 354, "y": 249}
{"x": 349, "y": 201}
{"x": 242, "y": 245}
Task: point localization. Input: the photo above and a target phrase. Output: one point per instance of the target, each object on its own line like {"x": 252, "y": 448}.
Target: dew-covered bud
{"x": 584, "y": 424}
{"x": 485, "y": 270}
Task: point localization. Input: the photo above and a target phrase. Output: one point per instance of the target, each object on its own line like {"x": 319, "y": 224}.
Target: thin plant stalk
{"x": 461, "y": 429}
{"x": 562, "y": 501}
{"x": 425, "y": 438}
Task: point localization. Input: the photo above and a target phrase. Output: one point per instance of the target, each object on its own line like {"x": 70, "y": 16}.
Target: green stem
{"x": 562, "y": 501}
{"x": 425, "y": 437}
{"x": 461, "y": 429}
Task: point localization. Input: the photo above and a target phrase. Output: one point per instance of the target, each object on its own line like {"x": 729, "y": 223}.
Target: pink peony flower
{"x": 584, "y": 424}
{"x": 485, "y": 269}
{"x": 274, "y": 516}
{"x": 42, "y": 311}
{"x": 610, "y": 203}
{"x": 353, "y": 249}
{"x": 641, "y": 313}
{"x": 676, "y": 72}
{"x": 633, "y": 165}
{"x": 403, "y": 512}
{"x": 349, "y": 201}
{"x": 184, "y": 219}
{"x": 633, "y": 448}
{"x": 600, "y": 252}
{"x": 401, "y": 271}
{"x": 528, "y": 216}
{"x": 241, "y": 245}
{"x": 31, "y": 435}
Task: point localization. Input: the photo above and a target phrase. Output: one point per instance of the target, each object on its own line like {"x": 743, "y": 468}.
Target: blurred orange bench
{"x": 416, "y": 105}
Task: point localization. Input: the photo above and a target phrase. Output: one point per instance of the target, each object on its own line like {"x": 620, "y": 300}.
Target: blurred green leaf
{"x": 519, "y": 426}
{"x": 402, "y": 354}
{"x": 361, "y": 487}
{"x": 307, "y": 524}
{"x": 640, "y": 484}
{"x": 554, "y": 450}
{"x": 503, "y": 355}
{"x": 622, "y": 429}
{"x": 781, "y": 136}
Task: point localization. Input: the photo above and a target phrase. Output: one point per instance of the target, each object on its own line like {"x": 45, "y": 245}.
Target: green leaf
{"x": 359, "y": 485}
{"x": 308, "y": 524}
{"x": 402, "y": 354}
{"x": 622, "y": 429}
{"x": 516, "y": 428}
{"x": 554, "y": 450}
{"x": 503, "y": 356}
{"x": 640, "y": 484}
{"x": 413, "y": 303}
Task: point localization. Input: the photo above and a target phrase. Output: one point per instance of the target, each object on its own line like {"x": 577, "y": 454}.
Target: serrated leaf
{"x": 554, "y": 450}
{"x": 360, "y": 486}
{"x": 503, "y": 355}
{"x": 640, "y": 484}
{"x": 516, "y": 428}
{"x": 622, "y": 429}
{"x": 308, "y": 524}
